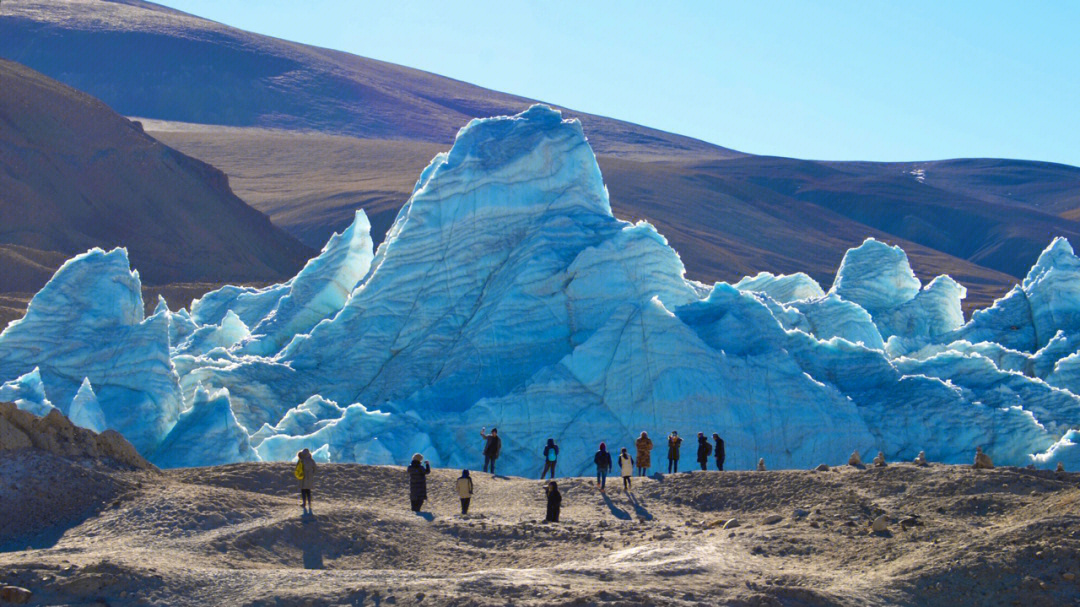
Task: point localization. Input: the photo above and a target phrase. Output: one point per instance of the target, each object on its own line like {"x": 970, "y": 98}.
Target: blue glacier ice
{"x": 85, "y": 410}
{"x": 87, "y": 322}
{"x": 507, "y": 294}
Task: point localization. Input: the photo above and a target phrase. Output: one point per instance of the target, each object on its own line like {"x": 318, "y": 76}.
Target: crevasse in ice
{"x": 506, "y": 294}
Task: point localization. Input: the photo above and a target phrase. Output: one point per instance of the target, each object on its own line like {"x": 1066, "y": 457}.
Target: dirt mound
{"x": 56, "y": 434}
{"x": 236, "y": 535}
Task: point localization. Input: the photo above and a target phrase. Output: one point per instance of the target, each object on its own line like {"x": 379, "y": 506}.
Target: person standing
{"x": 626, "y": 469}
{"x": 554, "y": 502}
{"x": 602, "y": 459}
{"x": 704, "y": 449}
{"x": 674, "y": 441}
{"x": 305, "y": 473}
{"x": 492, "y": 447}
{"x": 644, "y": 453}
{"x": 551, "y": 455}
{"x": 718, "y": 451}
{"x": 465, "y": 490}
{"x": 418, "y": 481}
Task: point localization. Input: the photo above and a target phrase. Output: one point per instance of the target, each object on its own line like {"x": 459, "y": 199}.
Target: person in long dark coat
{"x": 554, "y": 502}
{"x": 718, "y": 451}
{"x": 703, "y": 450}
{"x": 418, "y": 481}
{"x": 674, "y": 441}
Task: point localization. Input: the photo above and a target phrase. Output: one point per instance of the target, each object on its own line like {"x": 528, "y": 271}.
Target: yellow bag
{"x": 299, "y": 472}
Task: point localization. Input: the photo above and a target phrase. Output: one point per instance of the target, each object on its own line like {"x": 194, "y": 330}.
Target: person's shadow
{"x": 312, "y": 539}
{"x": 616, "y": 511}
{"x": 639, "y": 508}
{"x": 427, "y": 516}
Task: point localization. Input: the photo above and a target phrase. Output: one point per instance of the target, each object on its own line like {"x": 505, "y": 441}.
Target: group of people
{"x": 644, "y": 446}
{"x": 419, "y": 469}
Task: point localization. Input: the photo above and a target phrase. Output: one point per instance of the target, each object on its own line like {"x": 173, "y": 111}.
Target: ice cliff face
{"x": 506, "y": 294}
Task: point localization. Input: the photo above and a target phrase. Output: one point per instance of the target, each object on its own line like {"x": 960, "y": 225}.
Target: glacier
{"x": 506, "y": 294}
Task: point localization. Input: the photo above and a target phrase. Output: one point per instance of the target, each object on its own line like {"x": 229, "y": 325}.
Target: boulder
{"x": 1060, "y": 467}
{"x": 761, "y": 464}
{"x": 982, "y": 460}
{"x": 772, "y": 519}
{"x": 879, "y": 460}
{"x": 732, "y": 523}
{"x": 15, "y": 594}
{"x": 855, "y": 459}
{"x": 822, "y": 468}
{"x": 880, "y": 524}
{"x": 921, "y": 459}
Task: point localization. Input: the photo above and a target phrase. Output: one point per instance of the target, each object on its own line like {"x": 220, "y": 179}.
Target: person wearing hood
{"x": 644, "y": 453}
{"x": 305, "y": 472}
{"x": 704, "y": 449}
{"x": 465, "y": 490}
{"x": 551, "y": 455}
{"x": 554, "y": 502}
{"x": 602, "y": 459}
{"x": 674, "y": 442}
{"x": 418, "y": 481}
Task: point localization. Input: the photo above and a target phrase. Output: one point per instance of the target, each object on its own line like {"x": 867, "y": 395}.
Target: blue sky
{"x": 825, "y": 80}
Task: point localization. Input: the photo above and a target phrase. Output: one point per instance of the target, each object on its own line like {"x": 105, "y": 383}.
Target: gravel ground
{"x": 85, "y": 532}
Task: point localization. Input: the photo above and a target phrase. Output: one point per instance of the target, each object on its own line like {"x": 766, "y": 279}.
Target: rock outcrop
{"x": 57, "y": 435}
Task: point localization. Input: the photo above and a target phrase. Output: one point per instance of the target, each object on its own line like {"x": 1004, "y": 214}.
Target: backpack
{"x": 552, "y": 453}
{"x": 299, "y": 472}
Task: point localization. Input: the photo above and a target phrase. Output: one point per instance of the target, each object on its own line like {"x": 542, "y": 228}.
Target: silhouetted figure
{"x": 465, "y": 490}
{"x": 602, "y": 459}
{"x": 704, "y": 450}
{"x": 418, "y": 481}
{"x": 674, "y": 442}
{"x": 554, "y": 502}
{"x": 551, "y": 455}
{"x": 492, "y": 447}
{"x": 718, "y": 451}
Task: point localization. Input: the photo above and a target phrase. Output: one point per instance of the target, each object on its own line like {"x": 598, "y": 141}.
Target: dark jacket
{"x": 549, "y": 447}
{"x": 493, "y": 446}
{"x": 418, "y": 480}
{"x": 602, "y": 459}
{"x": 718, "y": 453}
{"x": 673, "y": 444}
{"x": 554, "y": 504}
{"x": 703, "y": 449}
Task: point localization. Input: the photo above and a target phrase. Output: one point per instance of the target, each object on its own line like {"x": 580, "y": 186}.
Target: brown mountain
{"x": 313, "y": 134}
{"x": 75, "y": 175}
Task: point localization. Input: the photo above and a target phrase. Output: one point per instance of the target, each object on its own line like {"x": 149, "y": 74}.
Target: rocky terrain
{"x": 113, "y": 531}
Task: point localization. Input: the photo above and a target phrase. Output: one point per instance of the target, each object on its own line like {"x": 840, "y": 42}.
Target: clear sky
{"x": 859, "y": 80}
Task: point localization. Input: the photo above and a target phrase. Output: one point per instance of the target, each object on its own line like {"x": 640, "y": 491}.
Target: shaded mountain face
{"x": 147, "y": 60}
{"x": 75, "y": 175}
{"x": 377, "y": 125}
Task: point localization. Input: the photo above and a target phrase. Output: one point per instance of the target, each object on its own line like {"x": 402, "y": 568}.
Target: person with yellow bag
{"x": 305, "y": 473}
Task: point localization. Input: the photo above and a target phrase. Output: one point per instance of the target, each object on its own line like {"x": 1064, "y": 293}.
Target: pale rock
{"x": 982, "y": 460}
{"x": 879, "y": 460}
